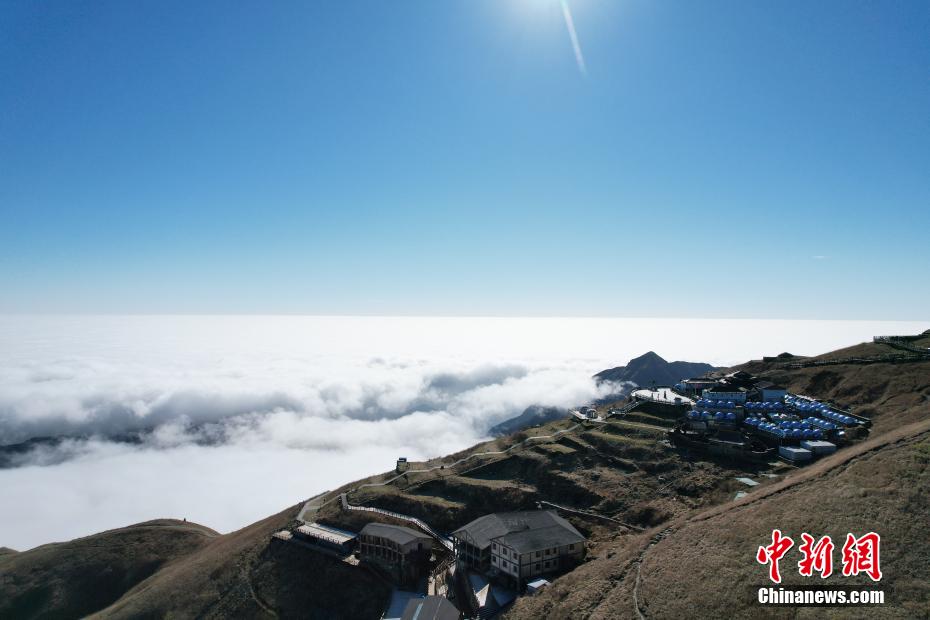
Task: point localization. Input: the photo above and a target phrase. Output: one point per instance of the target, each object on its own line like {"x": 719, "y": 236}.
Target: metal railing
{"x": 444, "y": 541}
{"x": 871, "y": 359}
{"x": 901, "y": 342}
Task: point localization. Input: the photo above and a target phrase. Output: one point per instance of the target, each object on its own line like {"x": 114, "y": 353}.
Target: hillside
{"x": 686, "y": 543}
{"x": 705, "y": 559}
{"x": 242, "y": 575}
{"x": 650, "y": 368}
{"x": 531, "y": 416}
{"x": 73, "y": 579}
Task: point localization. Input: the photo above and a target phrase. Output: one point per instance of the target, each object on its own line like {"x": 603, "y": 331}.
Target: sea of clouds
{"x": 235, "y": 418}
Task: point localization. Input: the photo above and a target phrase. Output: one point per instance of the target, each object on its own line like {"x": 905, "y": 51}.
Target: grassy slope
{"x": 73, "y": 579}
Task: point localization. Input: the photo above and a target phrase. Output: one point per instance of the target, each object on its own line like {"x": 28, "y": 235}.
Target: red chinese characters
{"x": 773, "y": 553}
{"x": 860, "y": 555}
{"x": 817, "y": 556}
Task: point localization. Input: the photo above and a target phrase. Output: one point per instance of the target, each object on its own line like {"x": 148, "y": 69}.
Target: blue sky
{"x": 718, "y": 159}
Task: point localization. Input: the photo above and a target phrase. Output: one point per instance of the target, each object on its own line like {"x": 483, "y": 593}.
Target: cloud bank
{"x": 224, "y": 420}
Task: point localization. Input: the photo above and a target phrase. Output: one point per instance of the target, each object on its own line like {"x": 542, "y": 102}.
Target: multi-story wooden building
{"x": 402, "y": 552}
{"x": 517, "y": 546}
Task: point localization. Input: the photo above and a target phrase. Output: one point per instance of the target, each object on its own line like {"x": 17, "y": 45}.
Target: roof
{"x": 430, "y": 608}
{"x": 740, "y": 377}
{"x": 775, "y": 387}
{"x": 488, "y": 595}
{"x": 528, "y": 541}
{"x": 482, "y": 530}
{"x": 398, "y": 533}
{"x": 329, "y": 534}
{"x": 729, "y": 389}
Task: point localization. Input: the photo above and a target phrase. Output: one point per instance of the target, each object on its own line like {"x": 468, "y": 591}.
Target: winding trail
{"x": 469, "y": 457}
{"x": 255, "y": 597}
{"x": 588, "y": 513}
{"x": 315, "y": 503}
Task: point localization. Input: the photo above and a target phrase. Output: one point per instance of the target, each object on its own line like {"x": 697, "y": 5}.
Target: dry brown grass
{"x": 73, "y": 579}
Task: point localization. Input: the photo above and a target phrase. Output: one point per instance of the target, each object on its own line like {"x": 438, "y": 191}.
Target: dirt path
{"x": 639, "y": 565}
{"x": 317, "y": 504}
{"x": 470, "y": 457}
{"x": 258, "y": 601}
{"x": 648, "y": 427}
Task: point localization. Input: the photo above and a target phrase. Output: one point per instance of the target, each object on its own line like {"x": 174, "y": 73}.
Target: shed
{"x": 794, "y": 454}
{"x": 819, "y": 447}
{"x": 535, "y": 586}
{"x": 329, "y": 537}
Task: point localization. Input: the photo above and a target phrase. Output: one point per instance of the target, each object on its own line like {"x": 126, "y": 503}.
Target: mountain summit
{"x": 652, "y": 368}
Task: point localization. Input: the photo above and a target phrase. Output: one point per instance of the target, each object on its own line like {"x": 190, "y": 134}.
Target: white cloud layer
{"x": 250, "y": 414}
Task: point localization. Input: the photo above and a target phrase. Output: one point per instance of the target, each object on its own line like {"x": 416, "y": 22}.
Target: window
{"x": 494, "y": 546}
{"x": 537, "y": 566}
{"x": 571, "y": 547}
{"x": 537, "y": 554}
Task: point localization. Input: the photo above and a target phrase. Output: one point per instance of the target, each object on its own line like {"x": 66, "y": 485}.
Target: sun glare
{"x": 546, "y": 13}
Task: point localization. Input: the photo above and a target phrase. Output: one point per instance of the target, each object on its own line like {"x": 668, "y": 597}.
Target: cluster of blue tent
{"x": 766, "y": 406}
{"x": 716, "y": 417}
{"x": 820, "y": 409}
{"x": 786, "y": 428}
{"x": 800, "y": 430}
{"x": 715, "y": 404}
{"x": 827, "y": 426}
{"x": 839, "y": 417}
{"x": 767, "y": 427}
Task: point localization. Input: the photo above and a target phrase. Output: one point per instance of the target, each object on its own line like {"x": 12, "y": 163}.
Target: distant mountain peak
{"x": 651, "y": 368}
{"x": 649, "y": 356}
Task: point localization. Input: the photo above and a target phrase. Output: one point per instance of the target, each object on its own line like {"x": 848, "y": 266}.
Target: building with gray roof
{"x": 431, "y": 608}
{"x": 401, "y": 551}
{"x": 519, "y": 545}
